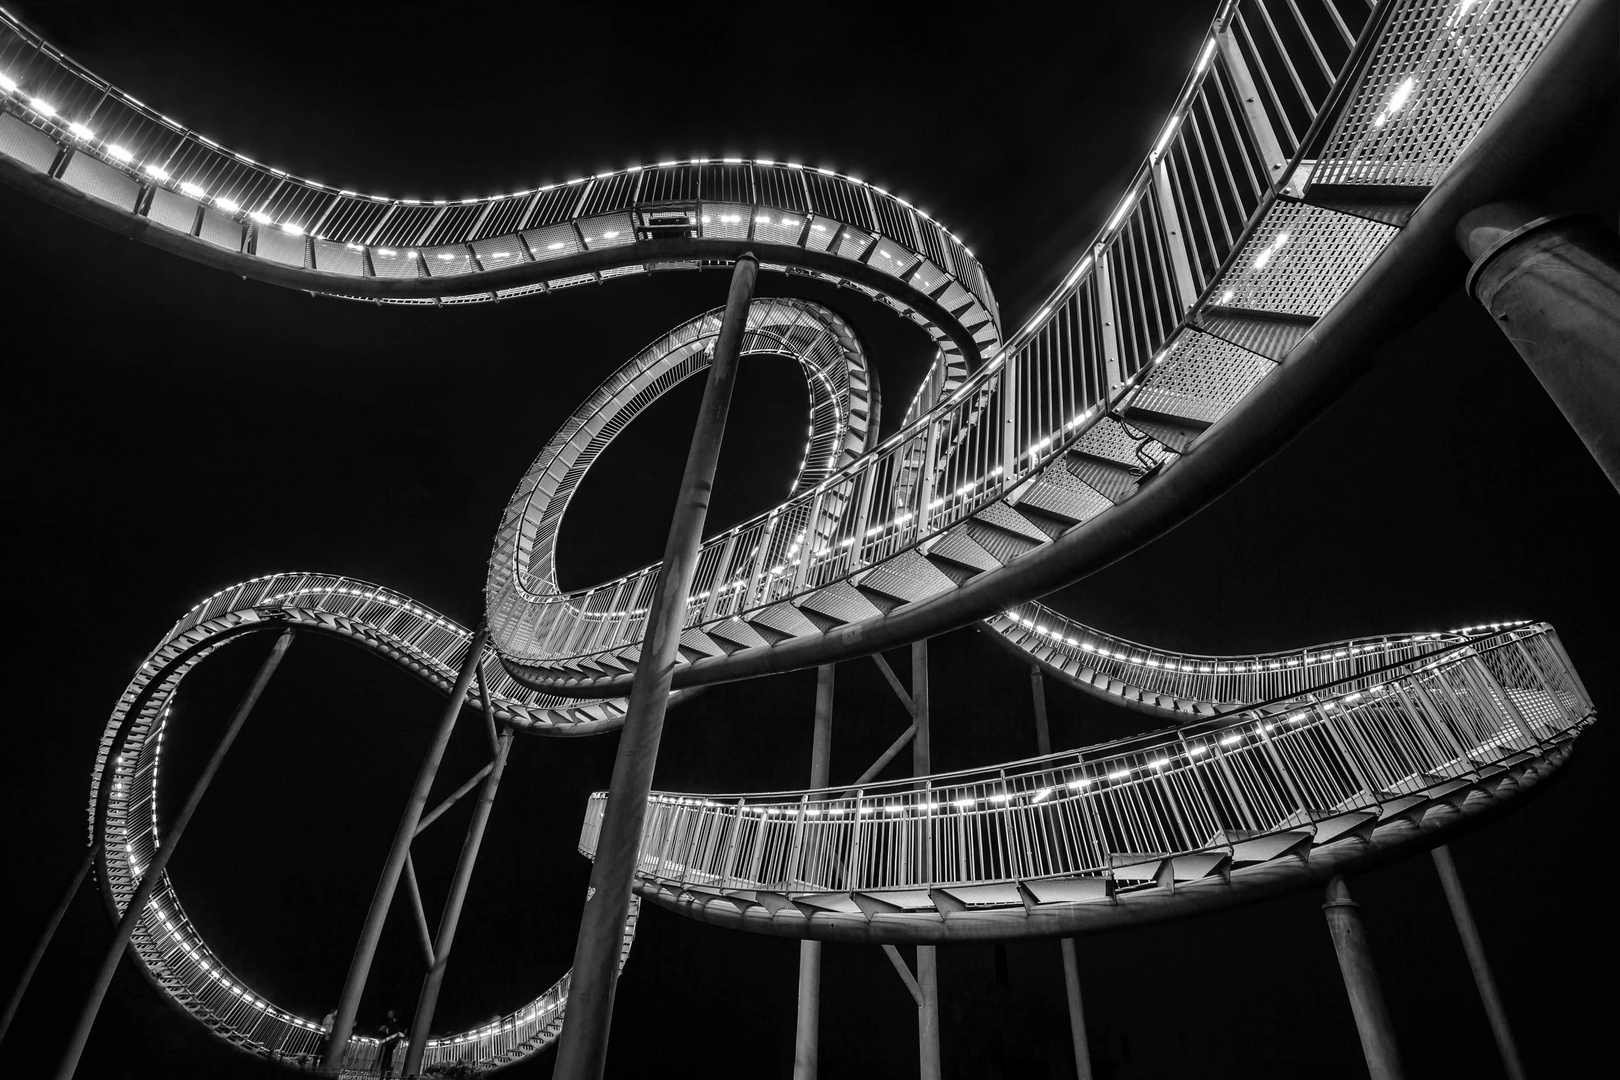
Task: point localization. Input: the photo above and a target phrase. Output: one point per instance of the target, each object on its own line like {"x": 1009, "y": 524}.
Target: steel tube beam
{"x": 807, "y": 1030}
{"x": 428, "y": 1000}
{"x": 927, "y": 967}
{"x": 43, "y": 943}
{"x": 582, "y": 1048}
{"x": 1361, "y": 983}
{"x": 160, "y": 859}
{"x": 1552, "y": 284}
{"x": 1475, "y": 949}
{"x": 1071, "y": 962}
{"x": 371, "y": 932}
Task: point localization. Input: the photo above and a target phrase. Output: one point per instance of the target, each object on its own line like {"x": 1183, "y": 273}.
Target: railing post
{"x": 927, "y": 970}
{"x": 1361, "y": 983}
{"x": 807, "y": 1030}
{"x": 1255, "y": 119}
{"x": 1071, "y": 963}
{"x": 354, "y": 985}
{"x": 582, "y": 1048}
{"x": 428, "y": 1000}
{"x": 1175, "y": 238}
{"x": 160, "y": 859}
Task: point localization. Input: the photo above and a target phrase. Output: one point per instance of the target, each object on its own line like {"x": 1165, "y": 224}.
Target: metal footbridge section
{"x": 1306, "y": 181}
{"x": 1244, "y": 805}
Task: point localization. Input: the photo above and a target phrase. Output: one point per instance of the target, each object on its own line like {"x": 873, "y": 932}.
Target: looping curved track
{"x": 1303, "y": 184}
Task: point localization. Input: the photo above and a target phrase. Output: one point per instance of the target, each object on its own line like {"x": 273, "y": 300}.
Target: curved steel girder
{"x": 1400, "y": 837}
{"x": 649, "y": 253}
{"x": 1398, "y": 287}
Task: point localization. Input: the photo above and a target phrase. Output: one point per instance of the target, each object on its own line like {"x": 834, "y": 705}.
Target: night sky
{"x": 172, "y": 430}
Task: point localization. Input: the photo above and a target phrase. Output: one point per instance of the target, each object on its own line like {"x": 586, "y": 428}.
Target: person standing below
{"x": 328, "y": 1022}
{"x": 391, "y": 1035}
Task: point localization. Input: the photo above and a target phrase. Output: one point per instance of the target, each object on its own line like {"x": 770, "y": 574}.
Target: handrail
{"x": 1351, "y": 747}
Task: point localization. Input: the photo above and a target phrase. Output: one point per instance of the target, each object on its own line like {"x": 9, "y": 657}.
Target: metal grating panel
{"x": 280, "y": 246}
{"x": 1061, "y": 493}
{"x": 221, "y": 229}
{"x": 1300, "y": 259}
{"x": 726, "y": 221}
{"x": 173, "y": 209}
{"x": 394, "y": 263}
{"x": 1202, "y": 377}
{"x": 609, "y": 230}
{"x": 1445, "y": 67}
{"x": 551, "y": 242}
{"x": 337, "y": 258}
{"x": 26, "y": 143}
{"x": 102, "y": 181}
{"x": 448, "y": 260}
{"x": 498, "y": 251}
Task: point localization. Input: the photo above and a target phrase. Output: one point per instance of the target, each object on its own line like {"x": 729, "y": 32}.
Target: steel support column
{"x": 1553, "y": 286}
{"x": 927, "y": 969}
{"x": 371, "y": 932}
{"x": 428, "y": 1000}
{"x": 1361, "y": 983}
{"x": 43, "y": 943}
{"x": 807, "y": 1033}
{"x": 1071, "y": 962}
{"x": 1475, "y": 949}
{"x": 160, "y": 859}
{"x": 582, "y": 1048}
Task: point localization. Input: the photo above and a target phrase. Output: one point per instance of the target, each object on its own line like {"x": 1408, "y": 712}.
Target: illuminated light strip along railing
{"x": 1211, "y": 228}
{"x": 1103, "y": 821}
{"x": 148, "y": 164}
{"x": 1165, "y": 681}
{"x": 124, "y": 826}
{"x": 1214, "y": 229}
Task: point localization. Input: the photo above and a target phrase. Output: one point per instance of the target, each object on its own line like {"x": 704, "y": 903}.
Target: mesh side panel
{"x": 1301, "y": 259}
{"x": 1454, "y": 68}
{"x": 820, "y": 234}
{"x": 552, "y": 242}
{"x": 103, "y": 181}
{"x": 498, "y": 251}
{"x": 610, "y": 230}
{"x": 777, "y": 227}
{"x": 448, "y": 260}
{"x": 394, "y": 263}
{"x": 725, "y": 221}
{"x": 221, "y": 229}
{"x": 27, "y": 144}
{"x": 852, "y": 243}
{"x": 280, "y": 247}
{"x": 1201, "y": 378}
{"x": 622, "y": 271}
{"x": 337, "y": 258}
{"x": 173, "y": 209}
{"x": 571, "y": 279}
{"x": 892, "y": 258}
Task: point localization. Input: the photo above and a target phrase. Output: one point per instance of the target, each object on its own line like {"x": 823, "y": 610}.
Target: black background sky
{"x": 172, "y": 430}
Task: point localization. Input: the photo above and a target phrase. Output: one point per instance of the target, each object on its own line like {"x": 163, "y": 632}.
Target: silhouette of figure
{"x": 391, "y": 1035}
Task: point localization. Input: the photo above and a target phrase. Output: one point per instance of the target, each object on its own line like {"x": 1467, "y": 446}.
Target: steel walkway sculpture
{"x": 1309, "y": 173}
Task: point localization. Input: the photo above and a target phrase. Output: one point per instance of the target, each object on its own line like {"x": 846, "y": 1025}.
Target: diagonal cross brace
{"x": 905, "y": 973}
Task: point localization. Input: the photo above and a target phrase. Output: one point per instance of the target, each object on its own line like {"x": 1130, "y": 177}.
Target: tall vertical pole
{"x": 43, "y": 943}
{"x": 807, "y": 1036}
{"x": 582, "y": 1048}
{"x": 371, "y": 932}
{"x": 428, "y": 1000}
{"x": 1361, "y": 983}
{"x": 927, "y": 968}
{"x": 160, "y": 859}
{"x": 1071, "y": 963}
{"x": 1475, "y": 949}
